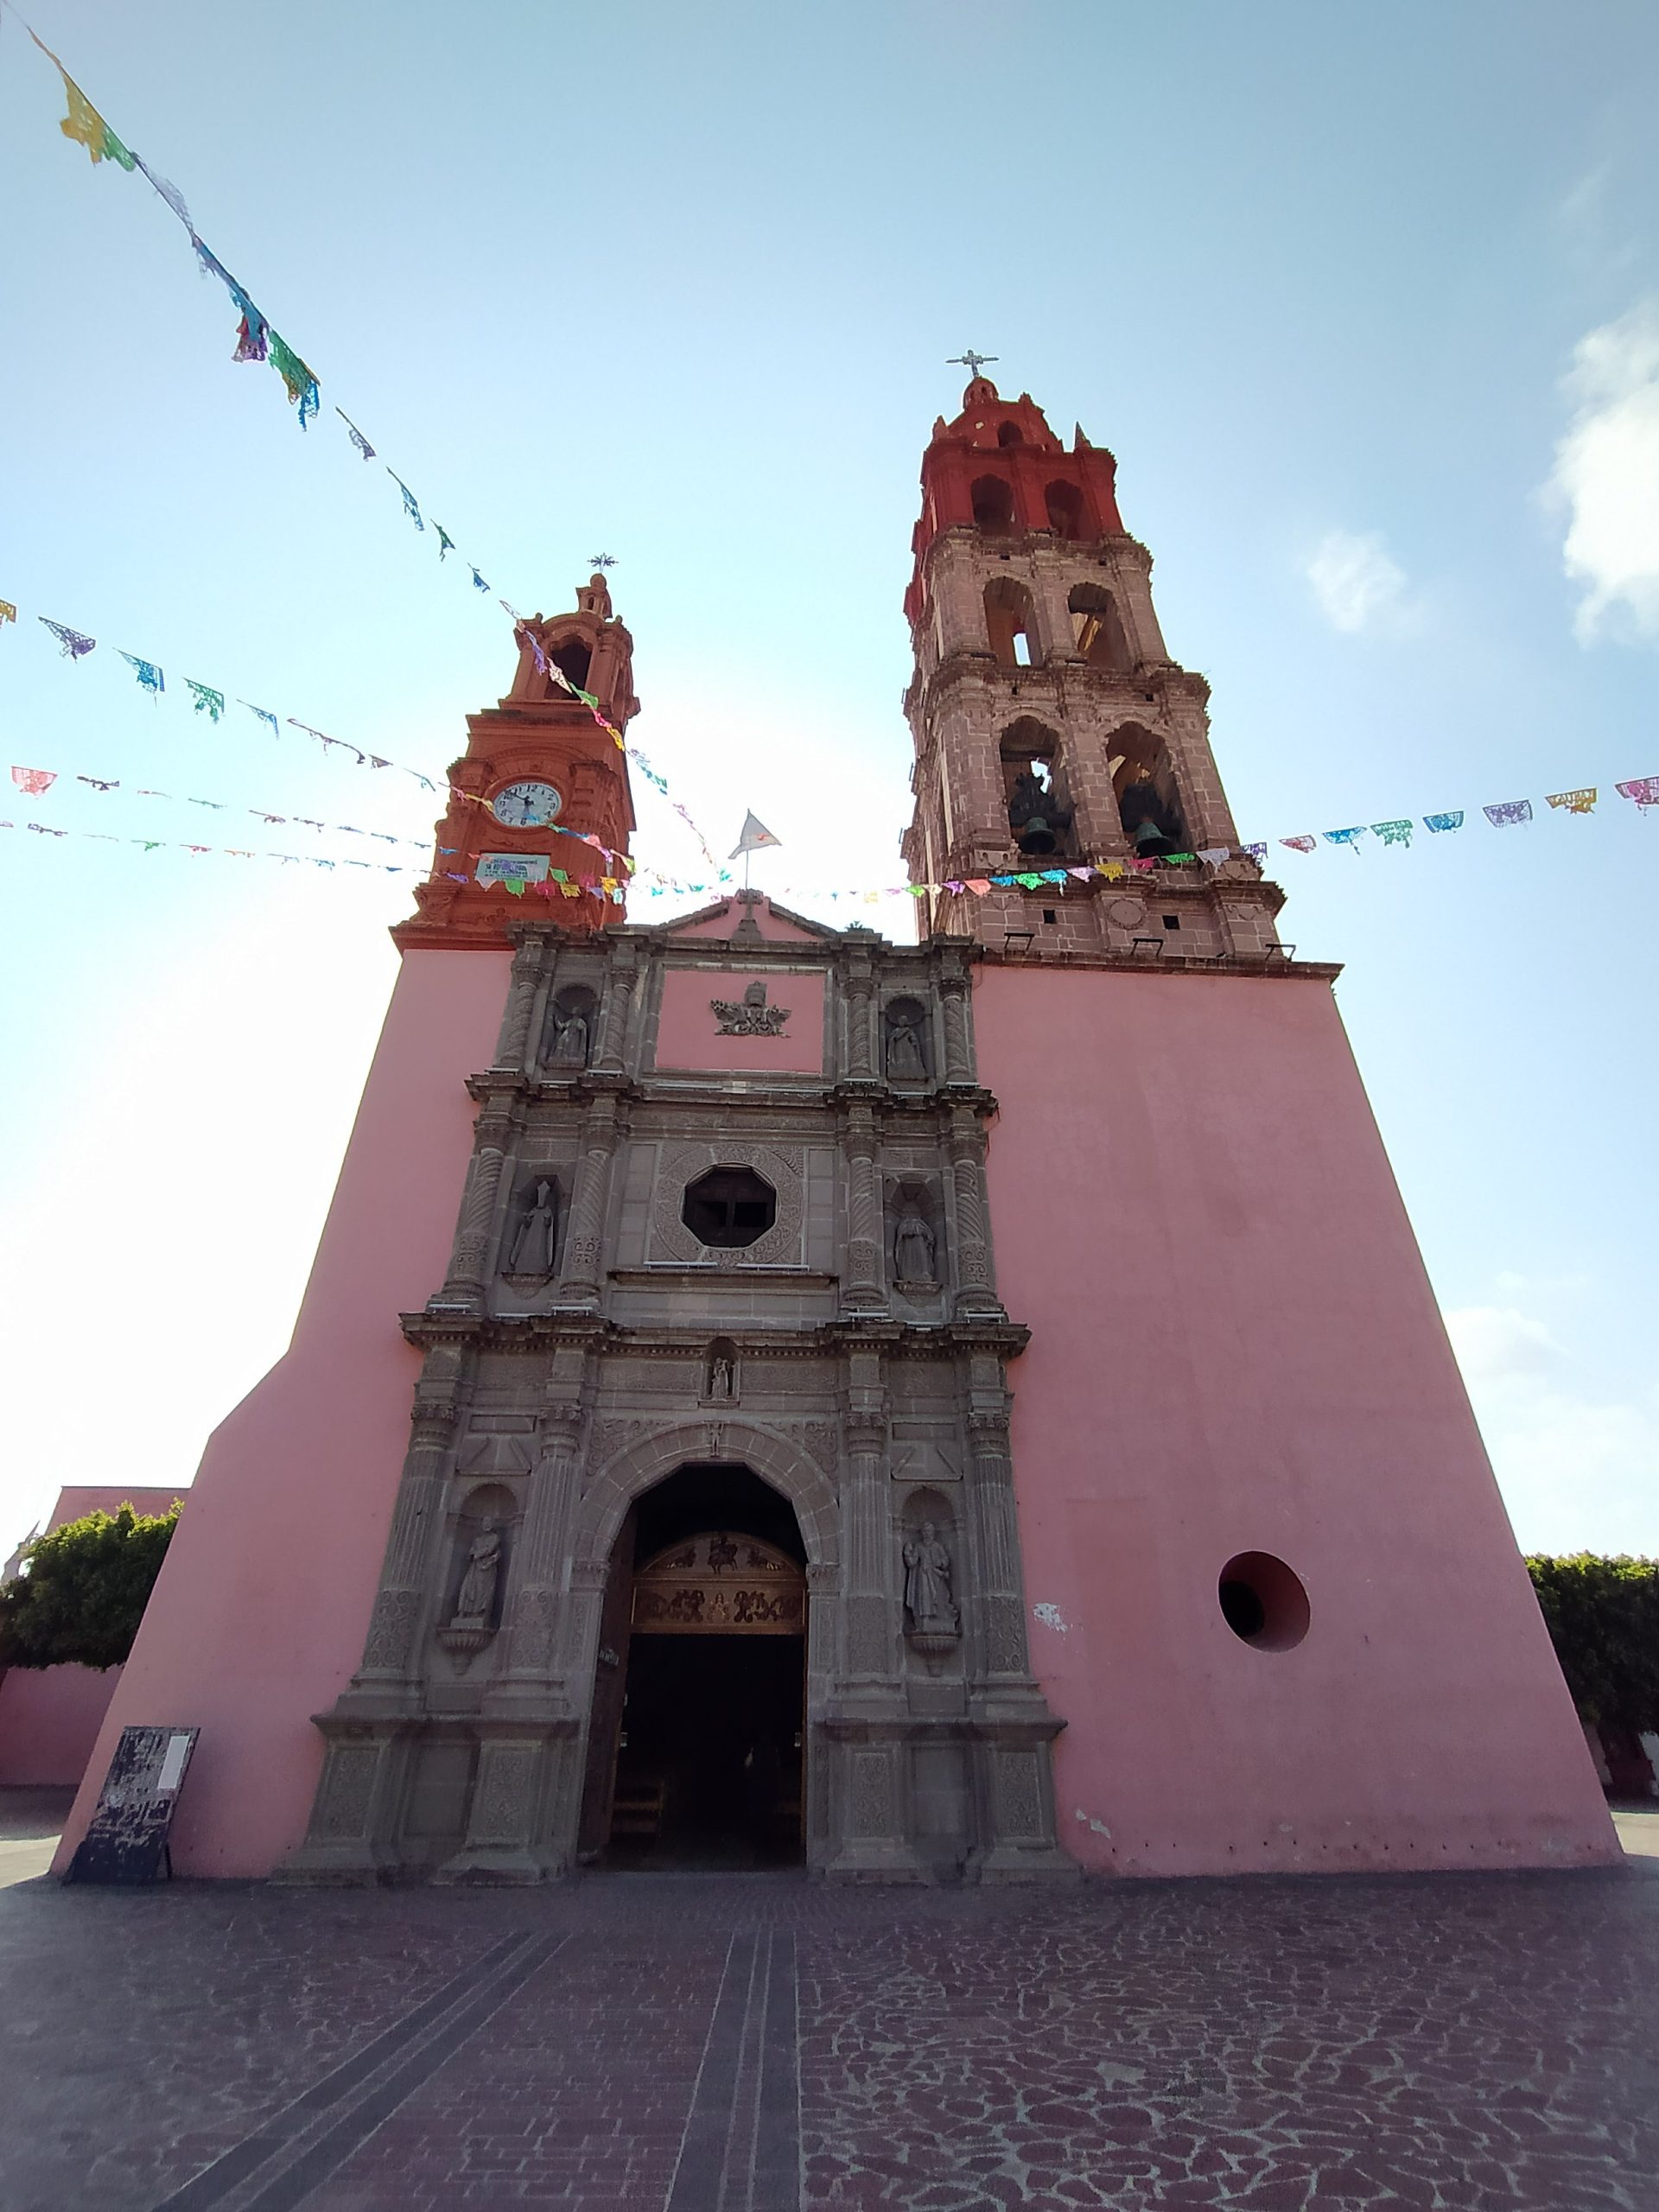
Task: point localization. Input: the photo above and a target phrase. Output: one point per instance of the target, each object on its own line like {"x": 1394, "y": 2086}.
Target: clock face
{"x": 526, "y": 806}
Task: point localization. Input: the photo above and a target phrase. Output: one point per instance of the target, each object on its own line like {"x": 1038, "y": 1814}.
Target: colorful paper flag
{"x": 207, "y": 700}
{"x": 73, "y": 642}
{"x": 1348, "y": 837}
{"x": 7, "y": 611}
{"x": 147, "y": 673}
{"x": 411, "y": 508}
{"x": 1580, "y": 802}
{"x": 356, "y": 436}
{"x": 34, "y": 780}
{"x": 1508, "y": 812}
{"x": 1453, "y": 821}
{"x": 1392, "y": 833}
{"x": 301, "y": 384}
{"x": 1644, "y": 790}
{"x": 1300, "y": 844}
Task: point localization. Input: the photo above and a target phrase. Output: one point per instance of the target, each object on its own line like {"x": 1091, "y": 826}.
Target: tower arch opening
{"x": 573, "y": 659}
{"x": 1010, "y": 434}
{"x": 696, "y": 1741}
{"x": 1097, "y": 628}
{"x": 1039, "y": 814}
{"x": 1143, "y": 782}
{"x": 993, "y": 504}
{"x": 1011, "y": 622}
{"x": 1063, "y": 505}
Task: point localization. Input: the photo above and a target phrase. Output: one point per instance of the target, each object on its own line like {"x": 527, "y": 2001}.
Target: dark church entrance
{"x": 702, "y": 1723}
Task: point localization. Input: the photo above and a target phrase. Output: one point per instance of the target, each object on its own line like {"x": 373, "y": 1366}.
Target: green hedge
{"x": 84, "y": 1590}
{"x": 1603, "y": 1617}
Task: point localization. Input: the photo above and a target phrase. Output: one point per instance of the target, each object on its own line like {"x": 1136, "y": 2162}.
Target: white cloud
{"x": 1607, "y": 474}
{"x": 1578, "y": 1472}
{"x": 1495, "y": 1343}
{"x": 1354, "y": 581}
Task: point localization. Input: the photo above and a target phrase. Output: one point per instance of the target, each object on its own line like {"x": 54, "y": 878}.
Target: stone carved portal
{"x": 708, "y": 1631}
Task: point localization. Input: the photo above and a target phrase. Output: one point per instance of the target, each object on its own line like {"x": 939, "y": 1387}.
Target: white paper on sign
{"x": 172, "y": 1764}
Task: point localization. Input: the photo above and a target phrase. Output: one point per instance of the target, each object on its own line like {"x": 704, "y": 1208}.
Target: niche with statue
{"x": 907, "y": 1047}
{"x": 530, "y": 1249}
{"x": 915, "y": 1238}
{"x": 571, "y": 1028}
{"x": 721, "y": 1379}
{"x": 475, "y": 1589}
{"x": 929, "y": 1556}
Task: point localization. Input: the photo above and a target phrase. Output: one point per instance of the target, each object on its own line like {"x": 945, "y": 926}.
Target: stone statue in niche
{"x": 536, "y": 1236}
{"x": 749, "y": 1016}
{"x": 719, "y": 1377}
{"x": 928, "y": 1599}
{"x": 907, "y": 1061}
{"x": 476, "y": 1601}
{"x": 571, "y": 1038}
{"x": 915, "y": 1251}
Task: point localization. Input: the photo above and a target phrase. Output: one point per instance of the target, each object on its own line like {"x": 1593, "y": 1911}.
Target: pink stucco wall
{"x": 1235, "y": 1348}
{"x": 687, "y": 1036}
{"x": 50, "y": 1716}
{"x": 49, "y": 1719}
{"x": 258, "y": 1618}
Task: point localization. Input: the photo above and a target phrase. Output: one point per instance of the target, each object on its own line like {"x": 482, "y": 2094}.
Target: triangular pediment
{"x": 752, "y": 917}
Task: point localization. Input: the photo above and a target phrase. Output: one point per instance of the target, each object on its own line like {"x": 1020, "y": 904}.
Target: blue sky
{"x": 1366, "y": 303}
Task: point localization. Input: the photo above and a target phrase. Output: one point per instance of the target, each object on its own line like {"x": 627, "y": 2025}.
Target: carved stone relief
{"x": 749, "y": 1016}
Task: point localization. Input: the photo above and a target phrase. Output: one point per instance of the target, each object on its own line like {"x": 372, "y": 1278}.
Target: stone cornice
{"x": 570, "y": 1330}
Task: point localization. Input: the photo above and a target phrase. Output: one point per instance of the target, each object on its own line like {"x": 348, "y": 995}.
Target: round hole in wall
{"x": 1263, "y": 1601}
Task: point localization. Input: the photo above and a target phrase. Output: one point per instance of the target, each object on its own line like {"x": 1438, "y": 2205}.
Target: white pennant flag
{"x": 755, "y": 835}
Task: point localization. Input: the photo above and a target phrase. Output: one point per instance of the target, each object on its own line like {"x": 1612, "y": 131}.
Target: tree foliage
{"x": 1603, "y": 1617}
{"x": 83, "y": 1590}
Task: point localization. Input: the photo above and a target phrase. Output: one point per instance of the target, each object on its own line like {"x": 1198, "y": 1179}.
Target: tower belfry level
{"x": 966, "y": 1410}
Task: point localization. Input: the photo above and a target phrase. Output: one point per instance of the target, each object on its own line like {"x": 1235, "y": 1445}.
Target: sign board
{"x": 512, "y": 868}
{"x": 126, "y": 1840}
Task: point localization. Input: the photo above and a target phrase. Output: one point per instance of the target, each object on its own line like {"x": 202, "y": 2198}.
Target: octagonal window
{"x": 729, "y": 1206}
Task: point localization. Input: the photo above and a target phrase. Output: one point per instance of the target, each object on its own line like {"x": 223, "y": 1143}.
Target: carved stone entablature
{"x": 749, "y": 1016}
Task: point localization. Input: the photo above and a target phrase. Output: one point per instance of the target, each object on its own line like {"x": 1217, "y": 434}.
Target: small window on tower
{"x": 1010, "y": 434}
{"x": 730, "y": 1207}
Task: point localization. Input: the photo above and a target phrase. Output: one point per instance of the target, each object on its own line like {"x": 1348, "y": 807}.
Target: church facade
{"x": 966, "y": 1410}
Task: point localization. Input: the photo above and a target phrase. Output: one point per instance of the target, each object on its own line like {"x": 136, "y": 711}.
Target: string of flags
{"x": 207, "y": 700}
{"x": 258, "y": 340}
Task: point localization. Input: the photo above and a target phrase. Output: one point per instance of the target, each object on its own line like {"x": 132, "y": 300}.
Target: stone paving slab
{"x": 753, "y": 2043}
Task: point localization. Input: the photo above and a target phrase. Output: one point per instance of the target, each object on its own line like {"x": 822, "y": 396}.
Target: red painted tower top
{"x": 541, "y": 795}
{"x": 999, "y": 468}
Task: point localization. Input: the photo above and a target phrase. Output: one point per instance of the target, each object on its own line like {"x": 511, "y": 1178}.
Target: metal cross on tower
{"x": 971, "y": 361}
{"x": 602, "y": 561}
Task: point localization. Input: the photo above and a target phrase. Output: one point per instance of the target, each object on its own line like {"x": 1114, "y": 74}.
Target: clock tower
{"x": 539, "y": 802}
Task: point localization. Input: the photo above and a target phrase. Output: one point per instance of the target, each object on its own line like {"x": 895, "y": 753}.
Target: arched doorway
{"x": 697, "y": 1754}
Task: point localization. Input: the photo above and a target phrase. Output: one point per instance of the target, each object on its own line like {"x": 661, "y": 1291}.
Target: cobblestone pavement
{"x": 753, "y": 2043}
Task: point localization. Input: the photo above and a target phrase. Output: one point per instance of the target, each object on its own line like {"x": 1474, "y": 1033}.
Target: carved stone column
{"x": 527, "y": 964}
{"x": 860, "y": 999}
{"x": 956, "y": 989}
{"x": 867, "y": 1613}
{"x": 536, "y": 1599}
{"x": 464, "y": 1284}
{"x": 614, "y": 1015}
{"x": 389, "y": 1656}
{"x": 965, "y": 1147}
{"x": 1003, "y": 1650}
{"x": 861, "y": 1288}
{"x": 584, "y": 1239}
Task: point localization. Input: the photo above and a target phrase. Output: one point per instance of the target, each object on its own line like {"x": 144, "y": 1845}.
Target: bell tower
{"x": 1052, "y": 728}
{"x": 540, "y": 797}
